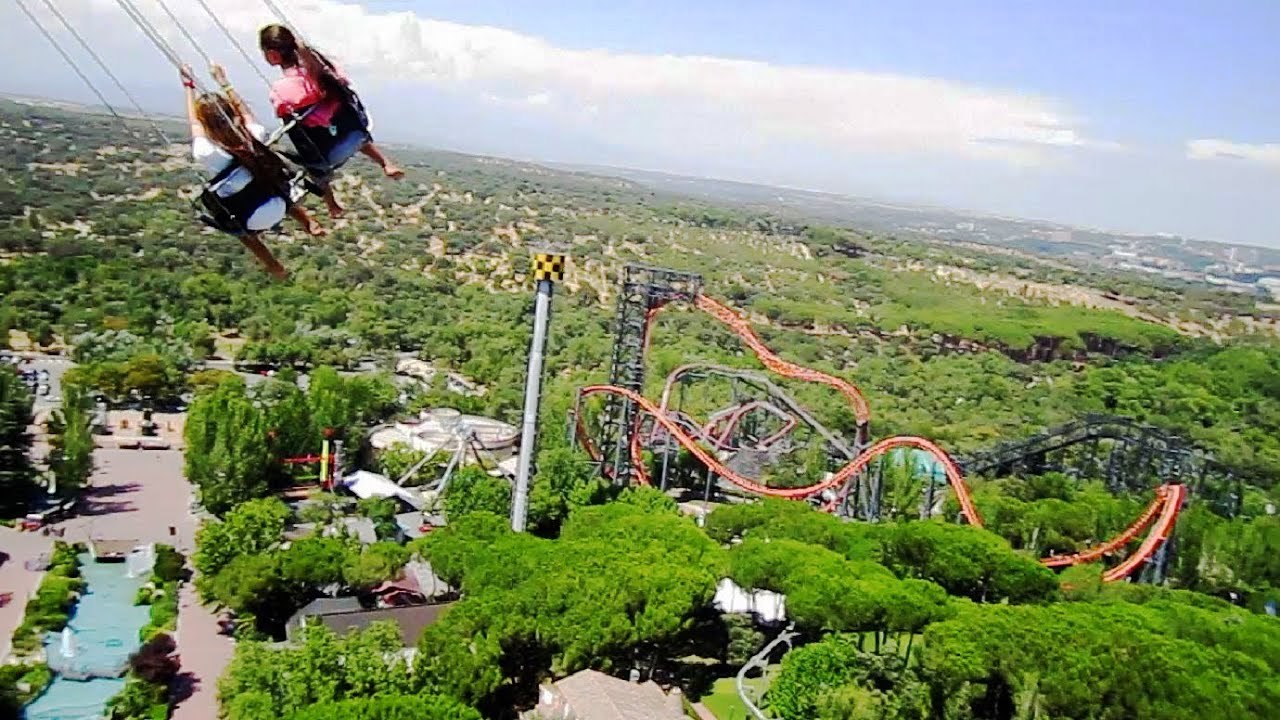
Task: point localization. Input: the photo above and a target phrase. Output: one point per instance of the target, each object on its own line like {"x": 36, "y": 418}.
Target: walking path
{"x": 142, "y": 495}
{"x": 135, "y": 495}
{"x": 14, "y": 578}
{"x": 205, "y": 654}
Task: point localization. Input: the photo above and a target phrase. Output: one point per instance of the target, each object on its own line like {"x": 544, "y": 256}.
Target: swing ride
{"x": 253, "y": 184}
{"x": 327, "y": 125}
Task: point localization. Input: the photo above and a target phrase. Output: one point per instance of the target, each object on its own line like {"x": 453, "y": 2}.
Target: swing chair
{"x": 220, "y": 204}
{"x": 323, "y": 150}
{"x": 228, "y": 201}
{"x": 226, "y": 208}
{"x": 320, "y": 148}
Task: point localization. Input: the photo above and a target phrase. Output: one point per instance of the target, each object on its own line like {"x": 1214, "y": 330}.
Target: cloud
{"x": 663, "y": 101}
{"x": 1215, "y": 149}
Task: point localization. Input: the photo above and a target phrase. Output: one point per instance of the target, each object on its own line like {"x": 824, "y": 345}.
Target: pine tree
{"x": 17, "y": 477}
{"x": 71, "y": 456}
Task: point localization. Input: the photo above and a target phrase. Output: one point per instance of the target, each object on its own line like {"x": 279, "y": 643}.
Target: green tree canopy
{"x": 16, "y": 475}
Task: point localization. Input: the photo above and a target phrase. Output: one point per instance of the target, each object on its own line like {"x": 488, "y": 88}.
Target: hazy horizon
{"x": 1054, "y": 115}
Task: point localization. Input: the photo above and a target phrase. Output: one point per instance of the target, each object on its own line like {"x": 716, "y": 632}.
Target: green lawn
{"x": 723, "y": 700}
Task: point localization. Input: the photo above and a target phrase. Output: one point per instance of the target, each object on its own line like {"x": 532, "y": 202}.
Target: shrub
{"x": 170, "y": 564}
{"x": 155, "y": 662}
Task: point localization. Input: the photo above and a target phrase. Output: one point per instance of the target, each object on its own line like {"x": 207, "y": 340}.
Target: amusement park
{"x": 300, "y": 424}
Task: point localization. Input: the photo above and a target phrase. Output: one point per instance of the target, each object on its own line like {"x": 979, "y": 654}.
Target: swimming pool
{"x": 104, "y": 632}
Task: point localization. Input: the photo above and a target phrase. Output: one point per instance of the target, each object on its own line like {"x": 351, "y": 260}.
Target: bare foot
{"x": 393, "y": 171}
{"x": 335, "y": 209}
{"x": 315, "y": 229}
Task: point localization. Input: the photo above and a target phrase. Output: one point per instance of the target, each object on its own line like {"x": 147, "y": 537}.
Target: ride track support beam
{"x": 642, "y": 291}
{"x": 548, "y": 269}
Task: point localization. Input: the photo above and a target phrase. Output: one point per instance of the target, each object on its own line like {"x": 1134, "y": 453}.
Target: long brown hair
{"x": 226, "y": 128}
{"x": 292, "y": 53}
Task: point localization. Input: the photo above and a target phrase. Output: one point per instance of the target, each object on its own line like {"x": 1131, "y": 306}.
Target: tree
{"x": 966, "y": 561}
{"x": 473, "y": 490}
{"x": 744, "y": 639}
{"x": 330, "y": 402}
{"x": 382, "y": 511}
{"x": 263, "y": 682}
{"x": 619, "y": 583}
{"x": 71, "y": 453}
{"x": 565, "y": 481}
{"x": 651, "y": 499}
{"x": 390, "y": 707}
{"x": 833, "y": 679}
{"x": 155, "y": 662}
{"x": 375, "y": 565}
{"x": 808, "y": 673}
{"x": 1108, "y": 660}
{"x": 253, "y": 527}
{"x": 255, "y": 586}
{"x": 317, "y": 560}
{"x": 227, "y": 455}
{"x": 17, "y": 484}
{"x": 153, "y": 375}
{"x": 396, "y": 460}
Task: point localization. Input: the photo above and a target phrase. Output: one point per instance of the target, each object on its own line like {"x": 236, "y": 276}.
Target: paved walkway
{"x": 135, "y": 495}
{"x": 205, "y": 654}
{"x": 14, "y": 578}
{"x": 142, "y": 495}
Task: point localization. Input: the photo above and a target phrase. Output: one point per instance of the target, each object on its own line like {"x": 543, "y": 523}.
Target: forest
{"x": 100, "y": 258}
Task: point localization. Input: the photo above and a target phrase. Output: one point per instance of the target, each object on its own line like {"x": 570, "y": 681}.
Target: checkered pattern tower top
{"x": 548, "y": 266}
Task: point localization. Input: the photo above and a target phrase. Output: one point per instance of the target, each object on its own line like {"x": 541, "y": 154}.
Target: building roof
{"x": 329, "y": 606}
{"x": 592, "y": 695}
{"x": 411, "y": 523}
{"x": 411, "y": 619}
{"x": 362, "y": 528}
{"x": 426, "y": 580}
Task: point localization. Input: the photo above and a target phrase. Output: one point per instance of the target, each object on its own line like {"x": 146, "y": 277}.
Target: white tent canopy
{"x": 365, "y": 484}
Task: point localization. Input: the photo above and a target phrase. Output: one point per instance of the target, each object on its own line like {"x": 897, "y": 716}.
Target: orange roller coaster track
{"x": 1161, "y": 514}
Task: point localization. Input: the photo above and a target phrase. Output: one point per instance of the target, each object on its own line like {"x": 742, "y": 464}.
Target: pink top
{"x": 297, "y": 90}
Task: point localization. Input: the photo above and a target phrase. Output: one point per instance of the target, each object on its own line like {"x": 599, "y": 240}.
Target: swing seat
{"x": 230, "y": 214}
{"x": 322, "y": 150}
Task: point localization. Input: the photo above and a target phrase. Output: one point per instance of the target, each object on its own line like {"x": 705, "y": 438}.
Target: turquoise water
{"x": 74, "y": 700}
{"x": 104, "y": 630}
{"x": 924, "y": 464}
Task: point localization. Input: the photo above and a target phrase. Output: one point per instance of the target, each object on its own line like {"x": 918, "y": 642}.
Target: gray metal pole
{"x": 532, "y": 392}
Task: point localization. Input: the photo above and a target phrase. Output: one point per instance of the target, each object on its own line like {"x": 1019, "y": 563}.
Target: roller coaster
{"x": 735, "y": 442}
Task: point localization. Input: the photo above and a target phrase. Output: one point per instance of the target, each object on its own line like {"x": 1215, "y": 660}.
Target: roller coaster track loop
{"x": 841, "y": 476}
{"x": 1163, "y": 510}
{"x": 785, "y": 368}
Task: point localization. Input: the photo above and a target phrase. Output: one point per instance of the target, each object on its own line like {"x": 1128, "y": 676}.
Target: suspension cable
{"x": 185, "y": 33}
{"x": 70, "y": 61}
{"x": 240, "y": 48}
{"x": 273, "y": 7}
{"x": 107, "y": 70}
{"x": 152, "y": 34}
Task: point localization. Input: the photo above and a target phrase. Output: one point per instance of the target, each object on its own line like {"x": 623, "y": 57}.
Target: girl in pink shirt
{"x": 334, "y": 125}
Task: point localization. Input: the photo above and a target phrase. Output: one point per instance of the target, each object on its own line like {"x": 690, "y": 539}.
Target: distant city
{"x": 1238, "y": 268}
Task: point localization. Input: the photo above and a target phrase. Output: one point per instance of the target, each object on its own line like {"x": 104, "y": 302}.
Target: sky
{"x": 1134, "y": 116}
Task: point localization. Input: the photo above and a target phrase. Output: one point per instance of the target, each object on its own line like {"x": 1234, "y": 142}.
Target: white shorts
{"x": 268, "y": 215}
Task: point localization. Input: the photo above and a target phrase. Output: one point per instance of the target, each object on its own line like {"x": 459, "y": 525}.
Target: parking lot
{"x": 43, "y": 375}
